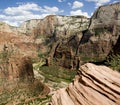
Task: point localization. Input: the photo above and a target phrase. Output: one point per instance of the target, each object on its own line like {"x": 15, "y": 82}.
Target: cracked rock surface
{"x": 94, "y": 85}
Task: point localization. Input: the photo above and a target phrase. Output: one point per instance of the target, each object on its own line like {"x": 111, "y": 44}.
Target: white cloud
{"x": 17, "y": 20}
{"x": 50, "y": 9}
{"x": 61, "y": 0}
{"x": 79, "y": 12}
{"x": 69, "y": 3}
{"x": 24, "y": 8}
{"x": 99, "y": 2}
{"x": 115, "y": 1}
{"x": 77, "y": 4}
{"x": 16, "y": 15}
{"x": 2, "y": 16}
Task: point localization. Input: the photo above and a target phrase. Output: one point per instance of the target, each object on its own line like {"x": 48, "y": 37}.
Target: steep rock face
{"x": 102, "y": 34}
{"x": 16, "y": 68}
{"x": 97, "y": 47}
{"x": 28, "y": 26}
{"x": 94, "y": 85}
{"x": 66, "y": 52}
{"x": 106, "y": 16}
{"x": 37, "y": 35}
{"x": 21, "y": 69}
{"x": 57, "y": 25}
{"x": 116, "y": 48}
{"x": 91, "y": 40}
{"x": 17, "y": 82}
{"x": 20, "y": 44}
{"x": 96, "y": 42}
{"x": 58, "y": 30}
{"x": 6, "y": 28}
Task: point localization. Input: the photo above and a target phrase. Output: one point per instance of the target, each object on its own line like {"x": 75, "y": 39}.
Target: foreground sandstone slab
{"x": 94, "y": 85}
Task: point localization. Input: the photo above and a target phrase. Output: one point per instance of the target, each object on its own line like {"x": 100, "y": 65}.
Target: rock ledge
{"x": 94, "y": 85}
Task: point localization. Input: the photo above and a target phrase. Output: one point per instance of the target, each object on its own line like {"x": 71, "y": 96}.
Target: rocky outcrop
{"x": 17, "y": 82}
{"x": 17, "y": 79}
{"x": 16, "y": 68}
{"x": 20, "y": 69}
{"x": 88, "y": 39}
{"x": 106, "y": 16}
{"x": 5, "y": 27}
{"x": 93, "y": 44}
{"x": 62, "y": 26}
{"x": 38, "y": 35}
{"x": 102, "y": 34}
{"x": 94, "y": 85}
{"x": 66, "y": 52}
{"x": 28, "y": 26}
{"x": 116, "y": 49}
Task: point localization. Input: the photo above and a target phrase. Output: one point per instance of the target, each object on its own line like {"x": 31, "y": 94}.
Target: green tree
{"x": 114, "y": 61}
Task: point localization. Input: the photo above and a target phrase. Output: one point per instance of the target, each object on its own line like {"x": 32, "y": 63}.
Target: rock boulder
{"x": 94, "y": 85}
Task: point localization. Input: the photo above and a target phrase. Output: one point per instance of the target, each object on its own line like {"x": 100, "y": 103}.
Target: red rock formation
{"x": 95, "y": 43}
{"x": 35, "y": 35}
{"x": 20, "y": 68}
{"x": 102, "y": 34}
{"x": 94, "y": 85}
{"x": 16, "y": 68}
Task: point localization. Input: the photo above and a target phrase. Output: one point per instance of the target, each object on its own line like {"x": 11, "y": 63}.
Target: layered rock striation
{"x": 94, "y": 85}
{"x": 76, "y": 36}
{"x": 39, "y": 34}
{"x": 93, "y": 44}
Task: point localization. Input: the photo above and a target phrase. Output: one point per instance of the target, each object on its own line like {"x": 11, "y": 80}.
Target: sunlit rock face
{"x": 56, "y": 25}
{"x": 53, "y": 26}
{"x": 37, "y": 34}
{"x": 94, "y": 85}
{"x": 90, "y": 39}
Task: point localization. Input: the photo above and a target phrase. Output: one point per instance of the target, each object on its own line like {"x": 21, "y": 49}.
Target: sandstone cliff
{"x": 68, "y": 40}
{"x": 103, "y": 33}
{"x": 15, "y": 68}
{"x": 77, "y": 36}
{"x": 94, "y": 85}
{"x": 28, "y": 26}
{"x": 106, "y": 16}
{"x": 5, "y": 27}
{"x": 62, "y": 26}
{"x": 93, "y": 44}
{"x": 39, "y": 34}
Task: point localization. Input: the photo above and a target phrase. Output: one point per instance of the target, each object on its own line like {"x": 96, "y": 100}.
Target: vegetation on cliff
{"x": 114, "y": 62}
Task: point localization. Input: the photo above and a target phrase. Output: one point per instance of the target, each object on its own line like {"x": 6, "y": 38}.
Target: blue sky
{"x": 14, "y": 12}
